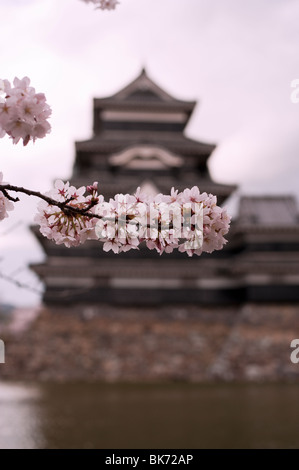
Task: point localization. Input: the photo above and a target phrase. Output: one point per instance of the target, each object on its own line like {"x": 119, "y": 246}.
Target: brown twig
{"x": 64, "y": 206}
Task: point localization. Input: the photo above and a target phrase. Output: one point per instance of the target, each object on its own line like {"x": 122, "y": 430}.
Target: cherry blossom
{"x": 118, "y": 227}
{"x": 107, "y": 4}
{"x": 23, "y": 112}
{"x": 189, "y": 221}
{"x": 216, "y": 222}
{"x": 103, "y": 4}
{"x": 163, "y": 221}
{"x": 5, "y": 204}
{"x": 65, "y": 226}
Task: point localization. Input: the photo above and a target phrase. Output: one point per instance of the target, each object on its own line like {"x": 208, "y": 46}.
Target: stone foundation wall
{"x": 196, "y": 344}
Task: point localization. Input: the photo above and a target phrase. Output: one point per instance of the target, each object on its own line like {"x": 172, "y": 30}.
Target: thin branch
{"x": 64, "y": 206}
{"x": 17, "y": 271}
{"x": 9, "y": 197}
{"x": 20, "y": 284}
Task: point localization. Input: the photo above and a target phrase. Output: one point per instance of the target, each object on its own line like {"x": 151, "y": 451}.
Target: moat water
{"x": 80, "y": 415}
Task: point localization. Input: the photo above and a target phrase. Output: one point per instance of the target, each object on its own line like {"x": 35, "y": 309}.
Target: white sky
{"x": 236, "y": 57}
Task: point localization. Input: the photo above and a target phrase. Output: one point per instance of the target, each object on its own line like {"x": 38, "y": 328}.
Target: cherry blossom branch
{"x": 64, "y": 206}
{"x": 67, "y": 216}
{"x": 71, "y": 210}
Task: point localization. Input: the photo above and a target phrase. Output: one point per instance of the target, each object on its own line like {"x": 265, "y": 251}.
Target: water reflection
{"x": 149, "y": 416}
{"x": 19, "y": 417}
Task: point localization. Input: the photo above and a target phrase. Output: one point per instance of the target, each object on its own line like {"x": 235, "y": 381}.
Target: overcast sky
{"x": 237, "y": 58}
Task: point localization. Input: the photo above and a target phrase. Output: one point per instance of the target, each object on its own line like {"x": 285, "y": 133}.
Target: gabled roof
{"x": 143, "y": 84}
{"x": 268, "y": 211}
{"x": 146, "y": 90}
